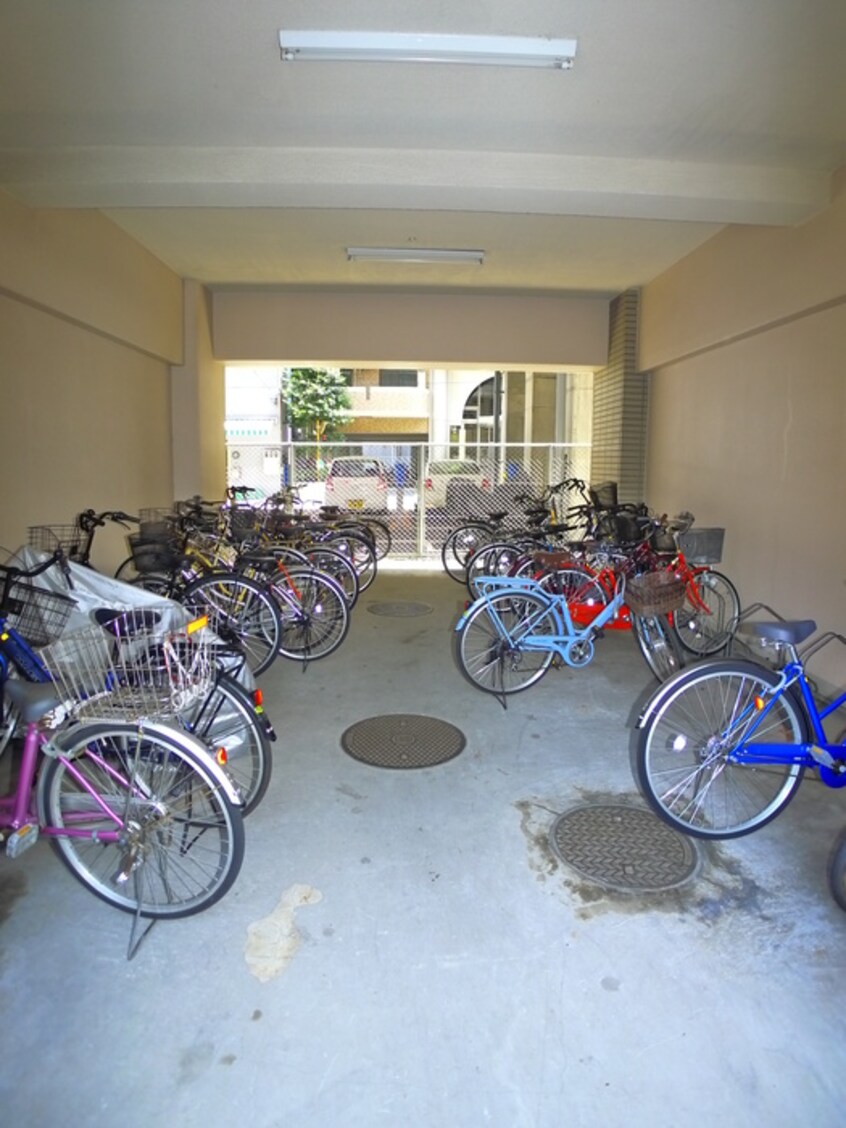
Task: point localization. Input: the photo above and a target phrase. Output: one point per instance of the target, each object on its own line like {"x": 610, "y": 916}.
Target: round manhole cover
{"x": 402, "y": 740}
{"x": 400, "y": 609}
{"x": 624, "y": 848}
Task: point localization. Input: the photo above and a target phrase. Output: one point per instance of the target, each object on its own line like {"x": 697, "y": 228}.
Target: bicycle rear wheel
{"x": 658, "y": 645}
{"x": 490, "y": 649}
{"x": 241, "y": 612}
{"x": 226, "y": 718}
{"x": 683, "y": 764}
{"x": 705, "y": 630}
{"x": 180, "y": 840}
{"x": 837, "y": 870}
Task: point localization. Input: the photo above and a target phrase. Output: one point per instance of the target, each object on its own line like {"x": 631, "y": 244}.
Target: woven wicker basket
{"x": 656, "y": 593}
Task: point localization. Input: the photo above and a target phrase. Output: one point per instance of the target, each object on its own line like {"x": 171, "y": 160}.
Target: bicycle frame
{"x": 567, "y": 640}
{"x": 808, "y": 754}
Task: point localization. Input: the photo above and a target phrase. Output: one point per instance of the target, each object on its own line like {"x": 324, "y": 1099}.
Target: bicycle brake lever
{"x": 62, "y": 561}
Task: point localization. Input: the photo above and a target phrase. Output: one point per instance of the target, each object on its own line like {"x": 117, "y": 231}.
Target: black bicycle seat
{"x": 123, "y": 622}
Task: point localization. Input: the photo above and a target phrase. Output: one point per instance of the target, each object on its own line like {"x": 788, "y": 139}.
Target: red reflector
{"x": 221, "y": 757}
{"x": 258, "y": 697}
{"x": 759, "y": 703}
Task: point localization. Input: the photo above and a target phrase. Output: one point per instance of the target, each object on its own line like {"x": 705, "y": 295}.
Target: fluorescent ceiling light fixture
{"x": 390, "y": 46}
{"x": 414, "y": 254}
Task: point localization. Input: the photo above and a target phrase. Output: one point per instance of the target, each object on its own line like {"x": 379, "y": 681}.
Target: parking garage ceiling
{"x": 182, "y": 123}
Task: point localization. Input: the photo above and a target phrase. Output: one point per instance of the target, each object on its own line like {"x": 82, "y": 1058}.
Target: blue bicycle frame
{"x": 819, "y": 752}
{"x": 574, "y": 646}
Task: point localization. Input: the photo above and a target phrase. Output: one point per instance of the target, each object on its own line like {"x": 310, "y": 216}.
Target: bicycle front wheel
{"x": 705, "y": 622}
{"x": 657, "y": 643}
{"x": 490, "y": 647}
{"x": 139, "y": 816}
{"x": 226, "y": 718}
{"x": 458, "y": 548}
{"x": 240, "y": 612}
{"x": 314, "y": 613}
{"x": 683, "y": 762}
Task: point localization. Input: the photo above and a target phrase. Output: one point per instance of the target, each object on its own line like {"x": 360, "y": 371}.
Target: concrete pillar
{"x": 198, "y": 405}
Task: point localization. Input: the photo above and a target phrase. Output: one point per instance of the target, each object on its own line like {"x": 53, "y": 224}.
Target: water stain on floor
{"x": 721, "y": 889}
{"x": 273, "y": 941}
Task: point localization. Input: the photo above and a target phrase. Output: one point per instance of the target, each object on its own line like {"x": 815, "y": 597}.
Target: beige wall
{"x": 747, "y": 342}
{"x": 410, "y": 330}
{"x": 89, "y": 324}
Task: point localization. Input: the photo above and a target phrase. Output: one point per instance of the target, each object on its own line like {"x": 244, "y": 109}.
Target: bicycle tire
{"x": 837, "y": 870}
{"x": 497, "y": 664}
{"x": 682, "y": 766}
{"x": 226, "y": 718}
{"x": 376, "y": 532}
{"x": 498, "y": 558}
{"x": 339, "y": 568}
{"x": 361, "y": 554}
{"x": 241, "y": 612}
{"x": 584, "y": 594}
{"x": 184, "y": 836}
{"x": 158, "y": 583}
{"x": 9, "y": 721}
{"x": 658, "y": 644}
{"x": 707, "y": 632}
{"x": 459, "y": 546}
{"x": 314, "y": 614}
{"x": 381, "y": 536}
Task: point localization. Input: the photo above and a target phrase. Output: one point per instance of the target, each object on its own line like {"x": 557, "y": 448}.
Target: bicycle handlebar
{"x": 11, "y": 573}
{"x": 88, "y": 520}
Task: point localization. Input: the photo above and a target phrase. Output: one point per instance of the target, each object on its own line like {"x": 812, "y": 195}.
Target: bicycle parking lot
{"x": 426, "y": 932}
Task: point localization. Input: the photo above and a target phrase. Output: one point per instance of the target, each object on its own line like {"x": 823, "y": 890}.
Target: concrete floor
{"x": 436, "y": 966}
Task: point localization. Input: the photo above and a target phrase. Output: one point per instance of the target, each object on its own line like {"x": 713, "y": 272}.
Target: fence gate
{"x": 422, "y": 490}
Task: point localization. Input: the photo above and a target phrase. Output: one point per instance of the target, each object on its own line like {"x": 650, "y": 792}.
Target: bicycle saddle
{"x": 118, "y": 622}
{"x": 33, "y": 699}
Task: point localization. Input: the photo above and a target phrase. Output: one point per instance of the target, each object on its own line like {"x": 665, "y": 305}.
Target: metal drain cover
{"x": 624, "y": 848}
{"x": 400, "y": 609}
{"x": 402, "y": 740}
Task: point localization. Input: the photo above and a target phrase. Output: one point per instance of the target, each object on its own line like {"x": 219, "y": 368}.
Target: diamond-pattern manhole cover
{"x": 400, "y": 609}
{"x": 402, "y": 740}
{"x": 624, "y": 848}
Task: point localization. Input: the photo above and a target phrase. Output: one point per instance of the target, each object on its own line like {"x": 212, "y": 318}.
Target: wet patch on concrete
{"x": 721, "y": 889}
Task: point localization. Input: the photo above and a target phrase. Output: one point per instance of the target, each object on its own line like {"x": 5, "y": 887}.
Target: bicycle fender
{"x": 202, "y": 751}
{"x": 668, "y": 688}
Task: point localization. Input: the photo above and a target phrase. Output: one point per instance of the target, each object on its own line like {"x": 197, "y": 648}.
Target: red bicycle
{"x": 695, "y": 614}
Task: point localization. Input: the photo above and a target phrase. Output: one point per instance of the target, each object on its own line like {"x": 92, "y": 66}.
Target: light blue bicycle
{"x": 509, "y": 637}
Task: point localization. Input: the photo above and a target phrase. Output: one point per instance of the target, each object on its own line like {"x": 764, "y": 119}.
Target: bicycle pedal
{"x": 827, "y": 760}
{"x": 21, "y": 839}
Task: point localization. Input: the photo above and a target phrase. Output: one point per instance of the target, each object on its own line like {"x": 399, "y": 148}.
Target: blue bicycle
{"x": 723, "y": 745}
{"x": 509, "y": 637}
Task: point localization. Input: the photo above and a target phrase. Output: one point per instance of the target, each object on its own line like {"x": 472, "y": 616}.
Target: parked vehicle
{"x": 452, "y": 478}
{"x": 358, "y": 483}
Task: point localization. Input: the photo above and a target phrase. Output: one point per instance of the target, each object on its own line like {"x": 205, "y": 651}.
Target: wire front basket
{"x": 132, "y": 667}
{"x": 47, "y": 538}
{"x": 38, "y": 615}
{"x": 655, "y": 593}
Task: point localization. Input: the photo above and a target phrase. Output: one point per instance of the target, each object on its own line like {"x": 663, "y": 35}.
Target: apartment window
{"x": 397, "y": 377}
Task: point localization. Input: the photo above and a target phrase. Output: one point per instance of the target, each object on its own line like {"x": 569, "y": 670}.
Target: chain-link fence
{"x": 421, "y": 490}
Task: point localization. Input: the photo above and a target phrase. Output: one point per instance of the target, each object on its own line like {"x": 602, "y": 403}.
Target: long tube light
{"x": 415, "y": 254}
{"x": 391, "y": 46}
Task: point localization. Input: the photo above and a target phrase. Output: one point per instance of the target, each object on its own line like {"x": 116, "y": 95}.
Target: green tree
{"x": 317, "y": 401}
